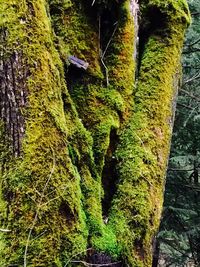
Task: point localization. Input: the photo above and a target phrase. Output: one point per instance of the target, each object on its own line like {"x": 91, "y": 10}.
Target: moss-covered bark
{"x": 84, "y": 153}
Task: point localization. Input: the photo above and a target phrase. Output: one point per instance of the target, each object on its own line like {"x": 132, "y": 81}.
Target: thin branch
{"x": 191, "y": 67}
{"x": 37, "y": 211}
{"x": 195, "y": 42}
{"x": 93, "y": 2}
{"x": 184, "y": 106}
{"x": 106, "y": 71}
{"x": 49, "y": 201}
{"x": 100, "y": 53}
{"x": 28, "y": 238}
{"x": 190, "y": 95}
{"x": 70, "y": 260}
{"x": 142, "y": 143}
{"x": 191, "y": 51}
{"x": 4, "y": 230}
{"x": 180, "y": 170}
{"x": 194, "y": 77}
{"x": 40, "y": 235}
{"x": 146, "y": 180}
{"x": 175, "y": 248}
{"x": 195, "y": 188}
{"x": 195, "y": 14}
{"x": 108, "y": 44}
{"x": 98, "y": 264}
{"x": 189, "y": 116}
{"x": 188, "y": 237}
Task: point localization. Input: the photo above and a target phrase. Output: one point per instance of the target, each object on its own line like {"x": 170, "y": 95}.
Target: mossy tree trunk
{"x": 84, "y": 152}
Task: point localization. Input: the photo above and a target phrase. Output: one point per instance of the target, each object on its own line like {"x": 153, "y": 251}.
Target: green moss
{"x": 144, "y": 145}
{"x": 77, "y": 35}
{"x": 122, "y": 48}
{"x": 99, "y": 108}
{"x": 58, "y": 176}
{"x": 107, "y": 243}
{"x": 174, "y": 10}
{"x": 43, "y": 182}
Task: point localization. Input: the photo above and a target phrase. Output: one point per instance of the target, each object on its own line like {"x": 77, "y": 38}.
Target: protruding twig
{"x": 106, "y": 71}
{"x": 108, "y": 44}
{"x": 70, "y": 260}
{"x": 4, "y": 230}
{"x": 102, "y": 54}
{"x": 87, "y": 264}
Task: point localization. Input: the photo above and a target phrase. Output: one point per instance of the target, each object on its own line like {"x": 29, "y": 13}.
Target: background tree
{"x": 180, "y": 227}
{"x": 84, "y": 151}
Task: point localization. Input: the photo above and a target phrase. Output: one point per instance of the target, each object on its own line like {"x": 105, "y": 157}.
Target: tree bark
{"x": 84, "y": 151}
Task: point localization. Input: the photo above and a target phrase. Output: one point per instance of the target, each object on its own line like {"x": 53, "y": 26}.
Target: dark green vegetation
{"x": 179, "y": 234}
{"x": 84, "y": 153}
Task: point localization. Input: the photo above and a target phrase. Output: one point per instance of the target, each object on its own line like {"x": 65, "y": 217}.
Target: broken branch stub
{"x": 81, "y": 64}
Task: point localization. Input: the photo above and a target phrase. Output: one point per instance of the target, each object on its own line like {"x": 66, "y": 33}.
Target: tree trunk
{"x": 84, "y": 150}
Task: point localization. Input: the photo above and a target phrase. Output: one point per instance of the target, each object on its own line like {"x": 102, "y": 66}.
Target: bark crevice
{"x": 13, "y": 94}
{"x": 109, "y": 174}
